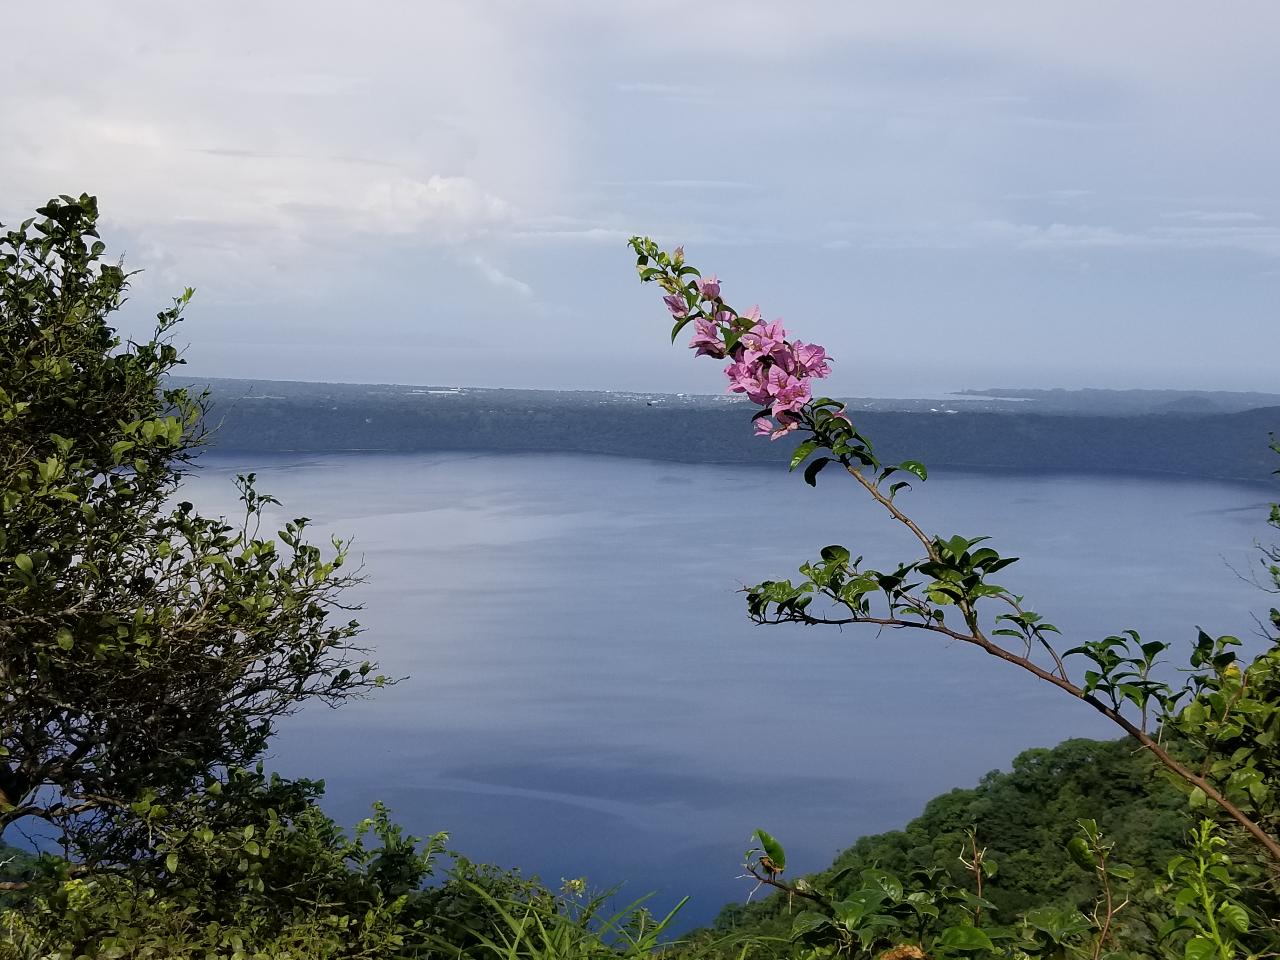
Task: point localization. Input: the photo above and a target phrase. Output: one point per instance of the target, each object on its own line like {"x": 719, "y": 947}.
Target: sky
{"x": 945, "y": 195}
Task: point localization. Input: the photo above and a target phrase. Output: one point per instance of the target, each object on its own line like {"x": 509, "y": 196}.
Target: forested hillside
{"x": 1025, "y": 818}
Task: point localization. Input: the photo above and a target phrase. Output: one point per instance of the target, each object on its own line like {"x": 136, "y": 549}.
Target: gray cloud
{"x": 920, "y": 166}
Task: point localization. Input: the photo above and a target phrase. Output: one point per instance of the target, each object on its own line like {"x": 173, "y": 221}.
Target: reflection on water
{"x": 585, "y": 696}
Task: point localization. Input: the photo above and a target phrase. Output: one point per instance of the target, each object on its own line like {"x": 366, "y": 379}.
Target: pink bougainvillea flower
{"x": 785, "y": 358}
{"x": 767, "y": 342}
{"x": 766, "y": 338}
{"x": 773, "y": 373}
{"x": 709, "y": 287}
{"x": 786, "y": 424}
{"x": 749, "y": 377}
{"x": 707, "y": 339}
{"x": 811, "y": 360}
{"x": 787, "y": 393}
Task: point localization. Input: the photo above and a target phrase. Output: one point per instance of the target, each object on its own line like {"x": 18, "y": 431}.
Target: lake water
{"x": 586, "y": 696}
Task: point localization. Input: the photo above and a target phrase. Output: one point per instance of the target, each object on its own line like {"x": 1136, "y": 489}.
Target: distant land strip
{"x": 294, "y": 417}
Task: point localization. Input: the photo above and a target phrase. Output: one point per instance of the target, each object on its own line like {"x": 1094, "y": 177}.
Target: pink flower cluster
{"x": 771, "y": 371}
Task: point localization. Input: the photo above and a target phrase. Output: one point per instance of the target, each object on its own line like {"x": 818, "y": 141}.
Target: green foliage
{"x": 526, "y": 930}
{"x": 1025, "y": 820}
{"x": 253, "y": 868}
{"x": 144, "y": 649}
{"x": 1206, "y": 905}
{"x": 1202, "y": 909}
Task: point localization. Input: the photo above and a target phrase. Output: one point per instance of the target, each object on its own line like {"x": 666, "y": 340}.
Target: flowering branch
{"x": 939, "y": 593}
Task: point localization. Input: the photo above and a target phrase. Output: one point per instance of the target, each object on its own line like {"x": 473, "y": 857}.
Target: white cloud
{"x": 569, "y": 234}
{"x": 1057, "y": 235}
{"x": 1214, "y": 216}
{"x": 1009, "y": 234}
{"x": 1264, "y": 241}
{"x": 419, "y": 121}
{"x": 441, "y": 207}
{"x": 503, "y": 281}
{"x": 705, "y": 184}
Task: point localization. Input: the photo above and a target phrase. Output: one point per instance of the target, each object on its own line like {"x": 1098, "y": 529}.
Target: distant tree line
{"x": 1225, "y": 446}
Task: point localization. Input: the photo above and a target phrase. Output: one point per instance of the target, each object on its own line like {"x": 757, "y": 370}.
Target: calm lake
{"x": 586, "y": 696}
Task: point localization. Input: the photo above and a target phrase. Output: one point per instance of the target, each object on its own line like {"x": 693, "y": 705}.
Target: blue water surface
{"x": 585, "y": 696}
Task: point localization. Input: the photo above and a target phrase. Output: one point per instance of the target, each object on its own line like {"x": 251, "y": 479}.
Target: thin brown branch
{"x": 871, "y": 488}
{"x": 770, "y": 881}
{"x": 979, "y": 639}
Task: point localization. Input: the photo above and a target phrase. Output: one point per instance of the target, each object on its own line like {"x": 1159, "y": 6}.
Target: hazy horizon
{"x": 938, "y": 393}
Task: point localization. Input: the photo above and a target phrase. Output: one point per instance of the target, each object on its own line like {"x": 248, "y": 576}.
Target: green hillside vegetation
{"x": 1024, "y": 818}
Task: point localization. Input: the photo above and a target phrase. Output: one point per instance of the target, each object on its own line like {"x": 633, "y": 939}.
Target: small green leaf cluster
{"x": 1123, "y": 672}
{"x": 953, "y": 575}
{"x": 1209, "y": 920}
{"x": 1232, "y": 716}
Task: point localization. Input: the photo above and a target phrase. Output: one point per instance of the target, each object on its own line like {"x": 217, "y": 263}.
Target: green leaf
{"x": 22, "y": 562}
{"x": 965, "y": 939}
{"x": 802, "y": 452}
{"x": 772, "y": 849}
{"x": 171, "y": 862}
{"x": 1200, "y": 948}
{"x": 835, "y": 552}
{"x": 1079, "y": 851}
{"x": 807, "y": 922}
{"x": 1234, "y": 916}
{"x": 65, "y": 640}
{"x": 916, "y": 467}
{"x": 813, "y": 469}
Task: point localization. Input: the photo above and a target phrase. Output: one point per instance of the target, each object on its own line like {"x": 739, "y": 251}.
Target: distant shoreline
{"x": 305, "y": 418}
{"x": 936, "y": 470}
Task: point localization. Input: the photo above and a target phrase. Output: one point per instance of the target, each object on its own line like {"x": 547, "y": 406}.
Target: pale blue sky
{"x": 945, "y": 194}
